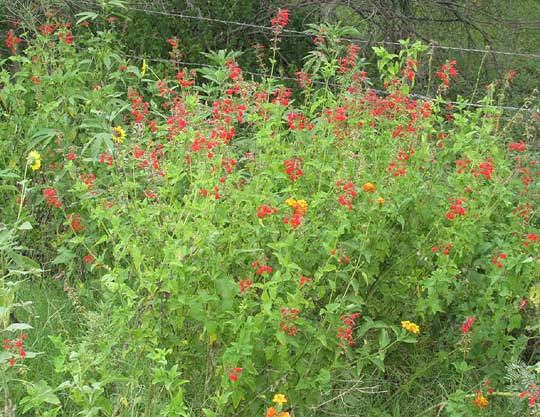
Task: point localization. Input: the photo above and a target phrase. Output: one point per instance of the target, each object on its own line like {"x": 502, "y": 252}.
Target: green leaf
{"x": 38, "y": 394}
{"x": 64, "y": 257}
{"x": 86, "y": 16}
{"x": 18, "y": 326}
{"x": 25, "y": 226}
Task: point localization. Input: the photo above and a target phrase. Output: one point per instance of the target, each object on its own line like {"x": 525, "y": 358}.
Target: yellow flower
{"x": 303, "y": 206}
{"x": 119, "y": 134}
{"x": 279, "y": 399}
{"x": 284, "y": 414}
{"x": 300, "y": 205}
{"x": 410, "y": 326}
{"x": 143, "y": 68}
{"x": 290, "y": 202}
{"x": 480, "y": 401}
{"x": 34, "y": 159}
{"x": 380, "y": 200}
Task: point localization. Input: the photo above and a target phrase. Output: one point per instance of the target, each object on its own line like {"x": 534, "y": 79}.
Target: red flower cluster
{"x": 89, "y": 259}
{"x": 496, "y": 260}
{"x": 181, "y": 78}
{"x": 234, "y": 373}
{"x": 12, "y": 41}
{"x": 462, "y": 164}
{"x": 304, "y": 280}
{"x": 223, "y": 110}
{"x": 261, "y": 269}
{"x": 336, "y": 115}
{"x": 446, "y": 250}
{"x": 345, "y": 333}
{"x": 244, "y": 285}
{"x": 265, "y": 211}
{"x": 342, "y": 257}
{"x": 532, "y": 237}
{"x": 88, "y": 180}
{"x": 533, "y": 394}
{"x": 518, "y": 146}
{"x": 349, "y": 61}
{"x": 75, "y": 220}
{"x": 67, "y": 37}
{"x": 467, "y": 325}
{"x": 486, "y": 169}
{"x": 410, "y": 71}
{"x": 47, "y": 30}
{"x": 106, "y": 158}
{"x": 297, "y": 121}
{"x": 234, "y": 70}
{"x": 302, "y": 79}
{"x": 288, "y": 315}
{"x": 282, "y": 96}
{"x": 281, "y": 20}
{"x": 447, "y": 71}
{"x": 15, "y": 345}
{"x": 139, "y": 108}
{"x": 228, "y": 165}
{"x": 51, "y": 196}
{"x": 456, "y": 208}
{"x": 523, "y": 211}
{"x": 397, "y": 168}
{"x": 347, "y": 193}
{"x": 293, "y": 168}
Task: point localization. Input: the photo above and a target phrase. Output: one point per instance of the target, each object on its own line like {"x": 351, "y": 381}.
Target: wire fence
{"x": 311, "y": 34}
{"x": 137, "y": 7}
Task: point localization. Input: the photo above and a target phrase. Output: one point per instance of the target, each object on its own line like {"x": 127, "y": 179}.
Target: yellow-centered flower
{"x": 300, "y": 205}
{"x": 368, "y": 187}
{"x": 119, "y": 134}
{"x": 279, "y": 399}
{"x": 410, "y": 326}
{"x": 34, "y": 159}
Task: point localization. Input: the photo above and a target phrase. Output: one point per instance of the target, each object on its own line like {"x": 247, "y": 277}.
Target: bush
{"x": 227, "y": 240}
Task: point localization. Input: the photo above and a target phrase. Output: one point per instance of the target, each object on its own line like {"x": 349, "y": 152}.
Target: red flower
{"x": 51, "y": 197}
{"x": 304, "y": 280}
{"x": 89, "y": 259}
{"x": 244, "y": 284}
{"x": 467, "y": 325}
{"x": 234, "y": 373}
{"x": 281, "y": 20}
{"x": 76, "y": 225}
